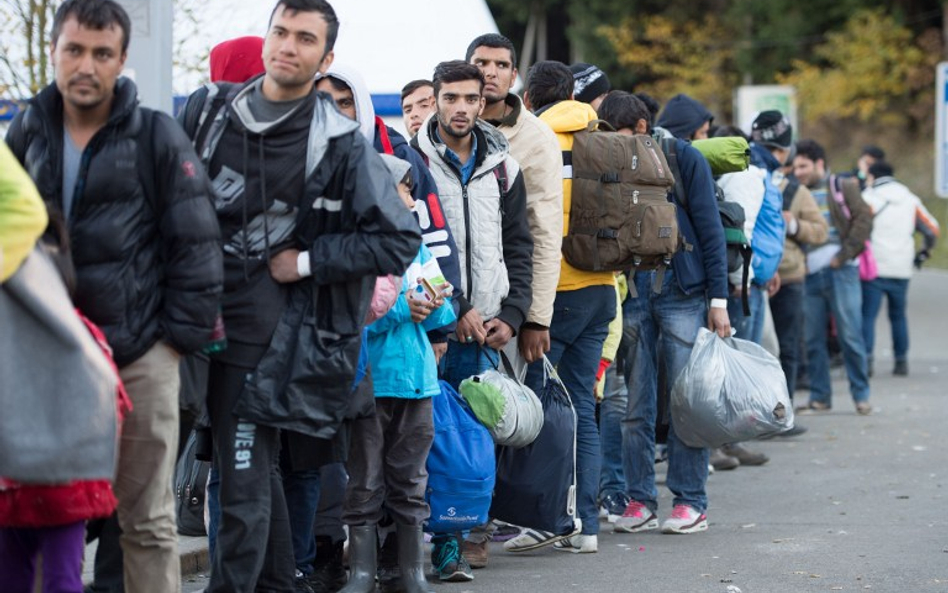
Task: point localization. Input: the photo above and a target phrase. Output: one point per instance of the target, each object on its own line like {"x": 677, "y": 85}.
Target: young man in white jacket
{"x": 897, "y": 215}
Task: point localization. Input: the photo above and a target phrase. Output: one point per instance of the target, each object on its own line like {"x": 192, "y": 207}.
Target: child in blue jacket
{"x": 388, "y": 452}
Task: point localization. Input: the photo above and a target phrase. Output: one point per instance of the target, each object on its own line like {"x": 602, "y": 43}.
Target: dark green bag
{"x": 728, "y": 154}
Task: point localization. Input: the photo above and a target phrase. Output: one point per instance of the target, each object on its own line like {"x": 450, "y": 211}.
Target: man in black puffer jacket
{"x": 145, "y": 242}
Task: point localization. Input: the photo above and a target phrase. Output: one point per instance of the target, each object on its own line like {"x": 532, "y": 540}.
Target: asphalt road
{"x": 855, "y": 504}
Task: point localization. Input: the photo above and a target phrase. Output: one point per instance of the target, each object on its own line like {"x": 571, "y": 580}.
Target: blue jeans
{"x": 579, "y": 328}
{"x": 466, "y": 360}
{"x": 213, "y": 495}
{"x": 837, "y": 292}
{"x": 615, "y": 400}
{"x": 750, "y": 327}
{"x": 676, "y": 318}
{"x": 314, "y": 501}
{"x": 301, "y": 490}
{"x": 896, "y": 292}
{"x": 787, "y": 309}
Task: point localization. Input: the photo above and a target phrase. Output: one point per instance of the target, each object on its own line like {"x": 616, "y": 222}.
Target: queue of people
{"x": 272, "y": 249}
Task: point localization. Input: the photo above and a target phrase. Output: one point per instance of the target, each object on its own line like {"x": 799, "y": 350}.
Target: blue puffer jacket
{"x": 403, "y": 363}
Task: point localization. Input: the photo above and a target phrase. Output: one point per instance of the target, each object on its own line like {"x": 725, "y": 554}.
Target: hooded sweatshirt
{"x": 237, "y": 60}
{"x": 258, "y": 179}
{"x": 435, "y": 232}
{"x": 683, "y": 116}
{"x": 365, "y": 111}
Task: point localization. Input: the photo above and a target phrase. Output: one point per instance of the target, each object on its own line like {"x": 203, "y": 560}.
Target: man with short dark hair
{"x": 534, "y": 146}
{"x": 585, "y": 304}
{"x": 832, "y": 281}
{"x": 145, "y": 245}
{"x": 482, "y": 190}
{"x": 663, "y": 327}
{"x": 417, "y": 102}
{"x": 309, "y": 217}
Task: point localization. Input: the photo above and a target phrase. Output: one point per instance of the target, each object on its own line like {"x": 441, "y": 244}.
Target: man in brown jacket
{"x": 832, "y": 285}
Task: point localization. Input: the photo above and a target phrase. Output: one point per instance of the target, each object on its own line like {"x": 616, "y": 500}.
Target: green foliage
{"x": 867, "y": 71}
{"x": 669, "y": 57}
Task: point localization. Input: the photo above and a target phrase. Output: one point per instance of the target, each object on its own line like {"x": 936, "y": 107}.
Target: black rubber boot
{"x": 362, "y": 559}
{"x": 411, "y": 554}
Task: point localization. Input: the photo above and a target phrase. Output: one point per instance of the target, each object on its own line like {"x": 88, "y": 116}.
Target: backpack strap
{"x": 500, "y": 172}
{"x": 145, "y": 153}
{"x": 670, "y": 148}
{"x": 790, "y": 191}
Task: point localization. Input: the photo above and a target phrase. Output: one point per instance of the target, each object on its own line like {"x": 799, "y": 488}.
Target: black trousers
{"x": 387, "y": 463}
{"x": 254, "y": 551}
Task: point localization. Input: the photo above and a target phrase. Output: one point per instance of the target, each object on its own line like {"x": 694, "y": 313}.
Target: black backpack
{"x": 190, "y": 481}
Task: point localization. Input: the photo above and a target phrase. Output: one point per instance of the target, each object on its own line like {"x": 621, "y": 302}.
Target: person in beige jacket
{"x": 533, "y": 144}
{"x": 805, "y": 226}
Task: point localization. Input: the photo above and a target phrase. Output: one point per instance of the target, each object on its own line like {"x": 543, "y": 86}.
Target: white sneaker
{"x": 685, "y": 519}
{"x": 578, "y": 544}
{"x": 637, "y": 517}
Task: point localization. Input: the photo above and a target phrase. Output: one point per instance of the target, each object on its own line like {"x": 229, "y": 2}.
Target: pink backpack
{"x": 387, "y": 289}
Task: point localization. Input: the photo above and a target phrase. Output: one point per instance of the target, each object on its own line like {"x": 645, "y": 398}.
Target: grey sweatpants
{"x": 386, "y": 464}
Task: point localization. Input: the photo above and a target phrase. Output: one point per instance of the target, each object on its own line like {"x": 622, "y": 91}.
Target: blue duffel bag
{"x": 461, "y": 467}
{"x": 536, "y": 484}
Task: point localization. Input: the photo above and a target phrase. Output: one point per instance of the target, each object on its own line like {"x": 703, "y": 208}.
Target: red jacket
{"x": 42, "y": 505}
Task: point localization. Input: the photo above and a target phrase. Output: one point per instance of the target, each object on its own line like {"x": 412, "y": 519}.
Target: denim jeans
{"x": 676, "y": 318}
{"x": 611, "y": 411}
{"x": 465, "y": 360}
{"x": 895, "y": 291}
{"x": 332, "y": 494}
{"x": 837, "y": 292}
{"x": 787, "y": 309}
{"x": 748, "y": 327}
{"x": 301, "y": 490}
{"x": 579, "y": 328}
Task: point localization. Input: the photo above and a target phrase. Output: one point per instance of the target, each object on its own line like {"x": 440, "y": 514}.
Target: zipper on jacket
{"x": 467, "y": 244}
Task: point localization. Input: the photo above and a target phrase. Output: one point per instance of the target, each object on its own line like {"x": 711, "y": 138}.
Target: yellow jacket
{"x": 22, "y": 214}
{"x": 566, "y": 118}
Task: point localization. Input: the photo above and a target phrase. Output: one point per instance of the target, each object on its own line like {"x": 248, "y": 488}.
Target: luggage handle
{"x": 505, "y": 361}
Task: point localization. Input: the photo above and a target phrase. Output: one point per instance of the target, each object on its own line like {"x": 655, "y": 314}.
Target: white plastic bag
{"x": 731, "y": 390}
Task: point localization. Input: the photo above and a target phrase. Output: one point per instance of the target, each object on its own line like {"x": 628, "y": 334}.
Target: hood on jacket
{"x": 568, "y": 116}
{"x": 683, "y": 115}
{"x": 365, "y": 111}
{"x": 487, "y": 135}
{"x": 763, "y": 158}
{"x": 237, "y": 60}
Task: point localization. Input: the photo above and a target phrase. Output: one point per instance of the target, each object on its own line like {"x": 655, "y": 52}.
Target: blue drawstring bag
{"x": 461, "y": 466}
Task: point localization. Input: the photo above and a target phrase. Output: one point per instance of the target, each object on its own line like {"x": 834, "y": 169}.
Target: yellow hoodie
{"x": 22, "y": 213}
{"x": 566, "y": 118}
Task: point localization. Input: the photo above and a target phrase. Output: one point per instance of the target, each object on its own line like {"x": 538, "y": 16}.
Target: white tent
{"x": 390, "y": 42}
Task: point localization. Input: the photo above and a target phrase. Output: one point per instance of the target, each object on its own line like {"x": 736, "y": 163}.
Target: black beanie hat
{"x": 772, "y": 128}
{"x": 589, "y": 82}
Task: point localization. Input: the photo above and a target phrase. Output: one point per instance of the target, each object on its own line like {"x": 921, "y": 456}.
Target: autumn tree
{"x": 669, "y": 57}
{"x": 873, "y": 70}
{"x": 24, "y": 51}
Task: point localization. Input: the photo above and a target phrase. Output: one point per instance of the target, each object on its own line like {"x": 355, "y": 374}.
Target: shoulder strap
{"x": 500, "y": 172}
{"x": 670, "y": 148}
{"x": 790, "y": 191}
{"x": 145, "y": 160}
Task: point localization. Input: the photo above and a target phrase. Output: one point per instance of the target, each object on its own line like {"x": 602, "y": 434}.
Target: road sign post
{"x": 149, "y": 54}
{"x": 941, "y": 131}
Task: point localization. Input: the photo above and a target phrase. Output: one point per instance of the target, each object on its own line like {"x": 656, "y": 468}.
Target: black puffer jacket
{"x": 144, "y": 234}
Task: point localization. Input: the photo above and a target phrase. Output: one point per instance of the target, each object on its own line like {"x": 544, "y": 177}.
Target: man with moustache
{"x": 144, "y": 241}
{"x": 417, "y": 104}
{"x": 484, "y": 198}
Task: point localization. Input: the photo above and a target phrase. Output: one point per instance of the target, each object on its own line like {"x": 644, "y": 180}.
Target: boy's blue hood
{"x": 683, "y": 115}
